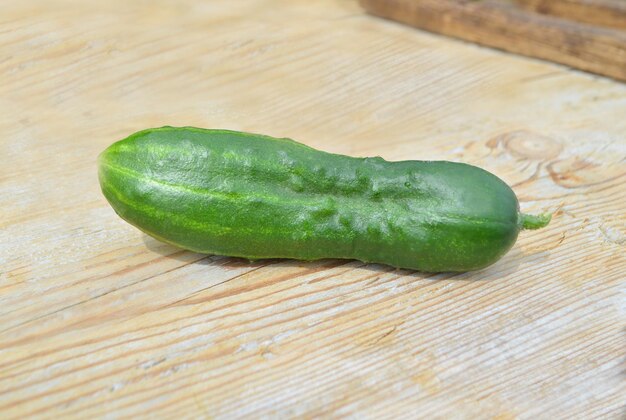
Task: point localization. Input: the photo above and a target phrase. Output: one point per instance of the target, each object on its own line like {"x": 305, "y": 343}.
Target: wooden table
{"x": 98, "y": 319}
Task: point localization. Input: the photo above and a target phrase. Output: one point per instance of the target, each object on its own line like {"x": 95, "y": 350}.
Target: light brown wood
{"x": 610, "y": 13}
{"x": 503, "y": 25}
{"x": 97, "y": 319}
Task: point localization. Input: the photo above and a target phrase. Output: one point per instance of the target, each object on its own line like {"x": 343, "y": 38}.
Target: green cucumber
{"x": 252, "y": 196}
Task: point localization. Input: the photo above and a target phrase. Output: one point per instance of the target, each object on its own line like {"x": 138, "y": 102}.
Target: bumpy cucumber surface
{"x": 253, "y": 196}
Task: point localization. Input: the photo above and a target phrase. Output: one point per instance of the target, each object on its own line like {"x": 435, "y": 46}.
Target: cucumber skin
{"x": 253, "y": 196}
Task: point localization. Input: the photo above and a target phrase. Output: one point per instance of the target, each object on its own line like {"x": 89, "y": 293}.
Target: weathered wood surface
{"x": 609, "y": 13}
{"x": 98, "y": 319}
{"x": 505, "y": 25}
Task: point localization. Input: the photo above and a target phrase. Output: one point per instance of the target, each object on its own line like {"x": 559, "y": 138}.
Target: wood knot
{"x": 575, "y": 172}
{"x": 528, "y": 145}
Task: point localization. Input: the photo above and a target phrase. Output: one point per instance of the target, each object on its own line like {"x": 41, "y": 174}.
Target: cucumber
{"x": 253, "y": 196}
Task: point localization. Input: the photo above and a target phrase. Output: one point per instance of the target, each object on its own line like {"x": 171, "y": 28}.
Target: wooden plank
{"x": 98, "y": 320}
{"x": 504, "y": 26}
{"x": 610, "y": 13}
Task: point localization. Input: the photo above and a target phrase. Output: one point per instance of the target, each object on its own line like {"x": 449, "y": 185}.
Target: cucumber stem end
{"x": 530, "y": 221}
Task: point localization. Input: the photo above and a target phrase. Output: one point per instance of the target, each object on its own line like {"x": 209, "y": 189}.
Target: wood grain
{"x": 610, "y": 13}
{"x": 98, "y": 320}
{"x": 503, "y": 25}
